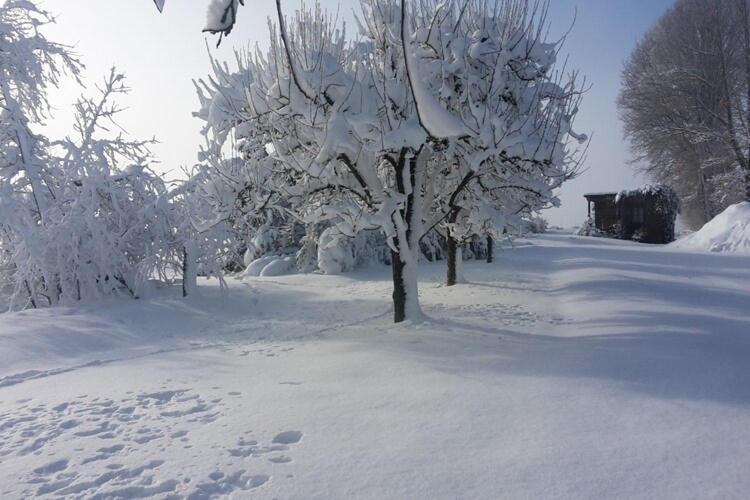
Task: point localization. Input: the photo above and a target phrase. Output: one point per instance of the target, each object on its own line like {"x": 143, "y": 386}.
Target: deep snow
{"x": 571, "y": 368}
{"x": 727, "y": 232}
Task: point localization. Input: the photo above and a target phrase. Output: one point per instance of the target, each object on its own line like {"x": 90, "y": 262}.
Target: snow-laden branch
{"x": 436, "y": 120}
{"x": 221, "y": 15}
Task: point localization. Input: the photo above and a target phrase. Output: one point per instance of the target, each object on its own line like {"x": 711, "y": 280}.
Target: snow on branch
{"x": 221, "y": 16}
{"x": 436, "y": 120}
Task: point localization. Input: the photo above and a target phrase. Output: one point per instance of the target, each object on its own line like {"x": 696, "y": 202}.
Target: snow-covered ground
{"x": 571, "y": 368}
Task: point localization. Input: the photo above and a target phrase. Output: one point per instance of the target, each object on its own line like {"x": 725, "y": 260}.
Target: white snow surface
{"x": 272, "y": 265}
{"x": 573, "y": 367}
{"x": 727, "y": 232}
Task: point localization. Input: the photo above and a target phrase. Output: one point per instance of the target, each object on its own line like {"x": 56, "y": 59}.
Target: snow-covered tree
{"x": 684, "y": 102}
{"x": 239, "y": 176}
{"x": 367, "y": 136}
{"x": 488, "y": 93}
{"x": 347, "y": 149}
{"x": 107, "y": 230}
{"x": 29, "y": 65}
{"x": 204, "y": 233}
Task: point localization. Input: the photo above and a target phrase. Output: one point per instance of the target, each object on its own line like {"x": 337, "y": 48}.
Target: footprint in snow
{"x": 51, "y": 468}
{"x": 220, "y": 484}
{"x": 288, "y": 437}
{"x": 135, "y": 421}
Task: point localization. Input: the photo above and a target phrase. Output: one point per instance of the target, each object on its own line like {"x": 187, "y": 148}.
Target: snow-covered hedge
{"x": 661, "y": 205}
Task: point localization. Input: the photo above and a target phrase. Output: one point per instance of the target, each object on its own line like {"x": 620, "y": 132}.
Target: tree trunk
{"x": 189, "y": 270}
{"x": 185, "y": 266}
{"x": 399, "y": 290}
{"x": 490, "y": 249}
{"x": 452, "y": 251}
{"x": 32, "y": 299}
{"x": 707, "y": 216}
{"x": 460, "y": 264}
{"x": 405, "y": 260}
{"x": 745, "y": 12}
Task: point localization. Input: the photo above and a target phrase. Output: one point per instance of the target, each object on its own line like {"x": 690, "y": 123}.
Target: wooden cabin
{"x": 647, "y": 215}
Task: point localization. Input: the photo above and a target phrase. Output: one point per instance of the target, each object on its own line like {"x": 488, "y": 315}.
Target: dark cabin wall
{"x": 628, "y": 222}
{"x": 634, "y": 215}
{"x": 606, "y": 216}
{"x": 605, "y": 212}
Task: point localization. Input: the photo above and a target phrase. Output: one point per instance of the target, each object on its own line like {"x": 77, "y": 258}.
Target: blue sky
{"x": 161, "y": 54}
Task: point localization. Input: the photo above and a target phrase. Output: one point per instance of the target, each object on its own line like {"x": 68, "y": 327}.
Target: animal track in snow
{"x": 505, "y": 315}
{"x": 281, "y": 442}
{"x": 89, "y": 426}
{"x": 267, "y": 351}
{"x": 111, "y": 447}
{"x": 219, "y": 483}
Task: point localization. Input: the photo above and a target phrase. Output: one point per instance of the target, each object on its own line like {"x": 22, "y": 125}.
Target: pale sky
{"x": 162, "y": 53}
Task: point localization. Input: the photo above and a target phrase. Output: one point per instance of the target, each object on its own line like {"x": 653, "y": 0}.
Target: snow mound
{"x": 279, "y": 267}
{"x": 727, "y": 232}
{"x": 272, "y": 265}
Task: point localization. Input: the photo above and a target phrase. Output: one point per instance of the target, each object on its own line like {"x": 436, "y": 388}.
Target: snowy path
{"x": 571, "y": 368}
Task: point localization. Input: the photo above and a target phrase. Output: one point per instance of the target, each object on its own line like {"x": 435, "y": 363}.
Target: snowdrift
{"x": 727, "y": 232}
{"x": 272, "y": 265}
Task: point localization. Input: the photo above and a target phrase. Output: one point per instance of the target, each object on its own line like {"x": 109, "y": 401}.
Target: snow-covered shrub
{"x": 476, "y": 249}
{"x": 307, "y": 255}
{"x": 639, "y": 235}
{"x": 30, "y": 65}
{"x": 588, "y": 228}
{"x": 111, "y": 217}
{"x": 432, "y": 246}
{"x": 339, "y": 253}
{"x": 536, "y": 224}
{"x": 265, "y": 240}
{"x": 335, "y": 255}
{"x": 103, "y": 227}
{"x": 204, "y": 237}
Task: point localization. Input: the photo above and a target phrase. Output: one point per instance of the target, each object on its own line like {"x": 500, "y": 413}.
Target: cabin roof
{"x": 595, "y": 196}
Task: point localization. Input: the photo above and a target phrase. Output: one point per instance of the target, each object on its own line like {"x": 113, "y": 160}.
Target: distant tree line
{"x": 685, "y": 102}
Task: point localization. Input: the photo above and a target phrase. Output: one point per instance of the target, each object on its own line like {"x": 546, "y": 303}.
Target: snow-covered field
{"x": 571, "y": 368}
